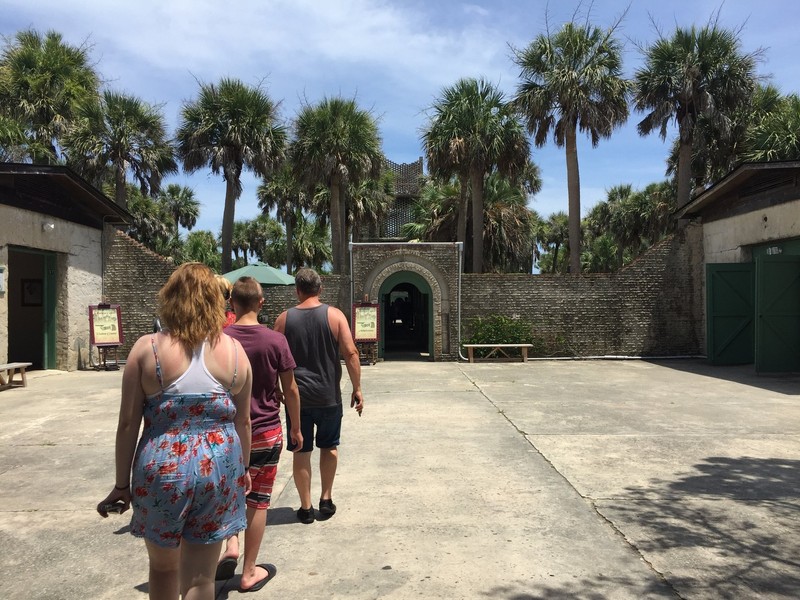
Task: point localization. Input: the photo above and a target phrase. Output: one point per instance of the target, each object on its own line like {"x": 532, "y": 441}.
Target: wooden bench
{"x": 498, "y": 349}
{"x": 12, "y": 369}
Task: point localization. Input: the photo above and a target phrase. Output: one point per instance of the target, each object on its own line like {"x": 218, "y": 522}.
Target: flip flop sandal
{"x": 271, "y": 570}
{"x": 226, "y": 568}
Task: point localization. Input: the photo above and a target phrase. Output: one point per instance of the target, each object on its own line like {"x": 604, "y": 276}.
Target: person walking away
{"x": 271, "y": 362}
{"x": 187, "y": 478}
{"x": 317, "y": 334}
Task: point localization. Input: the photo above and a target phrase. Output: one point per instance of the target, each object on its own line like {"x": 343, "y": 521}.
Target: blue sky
{"x": 393, "y": 56}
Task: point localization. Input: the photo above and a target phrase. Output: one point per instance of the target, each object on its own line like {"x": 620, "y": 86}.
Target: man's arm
{"x": 349, "y": 352}
{"x": 280, "y": 323}
{"x": 291, "y": 398}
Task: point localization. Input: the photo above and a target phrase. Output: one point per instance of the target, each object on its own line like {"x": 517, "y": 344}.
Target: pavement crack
{"x": 632, "y": 546}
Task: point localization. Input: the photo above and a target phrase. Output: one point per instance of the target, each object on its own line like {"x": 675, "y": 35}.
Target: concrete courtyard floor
{"x": 550, "y": 479}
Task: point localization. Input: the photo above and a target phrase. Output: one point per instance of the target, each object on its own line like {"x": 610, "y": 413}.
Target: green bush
{"x": 499, "y": 329}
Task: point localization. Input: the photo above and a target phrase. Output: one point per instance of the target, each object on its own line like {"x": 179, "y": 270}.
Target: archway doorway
{"x": 406, "y": 306}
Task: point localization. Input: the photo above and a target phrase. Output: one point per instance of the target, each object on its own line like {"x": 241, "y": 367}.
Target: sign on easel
{"x": 105, "y": 325}
{"x": 365, "y": 322}
{"x": 105, "y": 332}
{"x": 366, "y": 325}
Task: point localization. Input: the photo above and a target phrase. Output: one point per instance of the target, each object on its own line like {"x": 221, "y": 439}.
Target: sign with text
{"x": 365, "y": 322}
{"x": 105, "y": 325}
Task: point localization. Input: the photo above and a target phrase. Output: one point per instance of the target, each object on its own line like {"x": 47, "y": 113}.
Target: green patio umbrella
{"x": 262, "y": 273}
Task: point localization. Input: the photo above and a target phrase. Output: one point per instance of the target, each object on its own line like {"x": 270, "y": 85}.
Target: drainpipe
{"x": 352, "y": 281}
{"x": 460, "y": 250}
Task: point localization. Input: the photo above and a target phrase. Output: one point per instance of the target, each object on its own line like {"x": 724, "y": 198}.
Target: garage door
{"x": 777, "y": 314}
{"x": 730, "y": 302}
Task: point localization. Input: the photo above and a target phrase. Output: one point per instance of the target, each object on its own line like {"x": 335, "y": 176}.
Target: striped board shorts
{"x": 264, "y": 454}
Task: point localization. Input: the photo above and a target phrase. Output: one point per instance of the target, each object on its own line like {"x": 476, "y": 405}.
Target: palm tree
{"x": 14, "y": 144}
{"x": 125, "y": 134}
{"x": 716, "y": 151}
{"x": 434, "y": 214}
{"x": 697, "y": 73}
{"x": 284, "y": 194}
{"x": 472, "y": 133}
{"x": 556, "y": 234}
{"x": 267, "y": 240}
{"x": 776, "y": 136}
{"x": 600, "y": 256}
{"x": 509, "y": 227}
{"x": 42, "y": 81}
{"x": 572, "y": 80}
{"x": 368, "y": 203}
{"x": 202, "y": 246}
{"x": 336, "y": 144}
{"x": 179, "y": 201}
{"x": 151, "y": 223}
{"x": 312, "y": 243}
{"x": 228, "y": 128}
{"x": 240, "y": 242}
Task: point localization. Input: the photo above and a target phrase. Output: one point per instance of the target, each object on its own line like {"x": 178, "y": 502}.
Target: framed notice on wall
{"x": 105, "y": 325}
{"x": 365, "y": 322}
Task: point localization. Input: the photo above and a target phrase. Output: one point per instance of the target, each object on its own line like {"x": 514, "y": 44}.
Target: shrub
{"x": 499, "y": 329}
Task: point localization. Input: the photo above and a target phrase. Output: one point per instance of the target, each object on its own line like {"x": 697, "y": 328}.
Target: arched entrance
{"x": 407, "y": 327}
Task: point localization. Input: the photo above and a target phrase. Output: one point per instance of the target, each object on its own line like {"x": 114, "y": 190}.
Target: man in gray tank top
{"x": 317, "y": 335}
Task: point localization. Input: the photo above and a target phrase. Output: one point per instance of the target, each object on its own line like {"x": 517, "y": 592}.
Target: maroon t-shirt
{"x": 269, "y": 355}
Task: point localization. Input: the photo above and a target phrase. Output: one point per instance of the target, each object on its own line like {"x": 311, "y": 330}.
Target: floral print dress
{"x": 188, "y": 477}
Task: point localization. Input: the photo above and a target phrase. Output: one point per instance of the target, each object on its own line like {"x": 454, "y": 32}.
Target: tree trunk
{"x": 574, "y": 193}
{"x": 120, "y": 193}
{"x": 684, "y": 172}
{"x": 227, "y": 222}
{"x": 337, "y": 229}
{"x": 476, "y": 185}
{"x": 290, "y": 243}
{"x": 555, "y": 259}
{"x": 461, "y": 225}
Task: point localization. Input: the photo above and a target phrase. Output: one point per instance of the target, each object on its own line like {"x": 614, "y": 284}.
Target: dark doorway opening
{"x": 406, "y": 323}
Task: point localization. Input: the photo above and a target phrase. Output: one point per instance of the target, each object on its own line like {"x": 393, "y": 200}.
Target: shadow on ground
{"x": 787, "y": 384}
{"x": 738, "y": 514}
{"x": 599, "y": 588}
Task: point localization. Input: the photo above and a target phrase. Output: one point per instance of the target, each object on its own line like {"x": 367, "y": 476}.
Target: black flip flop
{"x": 271, "y": 570}
{"x": 226, "y": 568}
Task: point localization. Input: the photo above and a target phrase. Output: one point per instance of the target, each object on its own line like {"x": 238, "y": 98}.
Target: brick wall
{"x": 653, "y": 307}
{"x": 133, "y": 275}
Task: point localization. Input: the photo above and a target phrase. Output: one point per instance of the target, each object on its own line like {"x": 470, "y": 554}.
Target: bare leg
{"x": 198, "y": 566}
{"x": 164, "y": 564}
{"x": 328, "y": 460}
{"x": 231, "y": 548}
{"x": 256, "y": 524}
{"x": 301, "y": 469}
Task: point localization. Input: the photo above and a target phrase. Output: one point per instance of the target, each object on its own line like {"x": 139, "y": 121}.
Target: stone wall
{"x": 653, "y": 307}
{"x": 133, "y": 276}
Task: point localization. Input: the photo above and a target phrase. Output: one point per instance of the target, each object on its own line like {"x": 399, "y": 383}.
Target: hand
{"x": 297, "y": 439}
{"x": 357, "y": 402}
{"x": 116, "y": 495}
{"x": 280, "y": 397}
{"x": 248, "y": 483}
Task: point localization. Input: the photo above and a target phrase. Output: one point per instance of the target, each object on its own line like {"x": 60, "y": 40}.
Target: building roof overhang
{"x": 733, "y": 181}
{"x": 58, "y": 191}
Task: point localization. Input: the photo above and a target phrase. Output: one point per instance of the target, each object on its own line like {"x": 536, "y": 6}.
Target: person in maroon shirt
{"x": 272, "y": 363}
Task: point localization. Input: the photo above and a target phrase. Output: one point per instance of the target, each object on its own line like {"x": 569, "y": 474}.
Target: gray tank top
{"x": 316, "y": 352}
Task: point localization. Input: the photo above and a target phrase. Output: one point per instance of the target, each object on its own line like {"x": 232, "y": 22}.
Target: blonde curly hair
{"x": 191, "y": 306}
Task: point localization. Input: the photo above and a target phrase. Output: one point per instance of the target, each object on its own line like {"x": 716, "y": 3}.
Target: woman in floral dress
{"x": 186, "y": 478}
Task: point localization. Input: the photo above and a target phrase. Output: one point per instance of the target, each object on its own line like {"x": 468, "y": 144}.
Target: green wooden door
{"x": 730, "y": 313}
{"x": 777, "y": 314}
